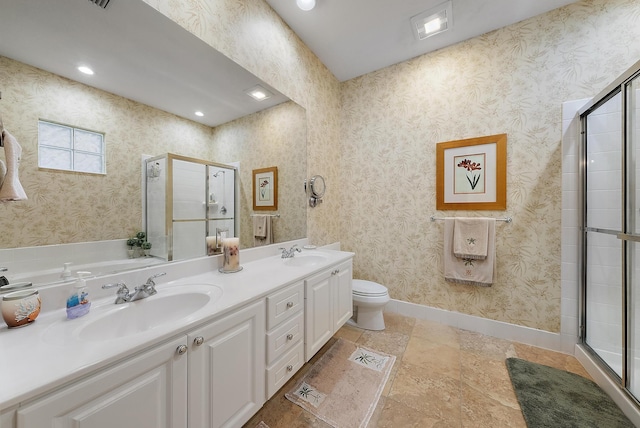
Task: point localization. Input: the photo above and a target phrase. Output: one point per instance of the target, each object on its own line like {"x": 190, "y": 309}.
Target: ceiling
{"x": 135, "y": 51}
{"x": 355, "y": 37}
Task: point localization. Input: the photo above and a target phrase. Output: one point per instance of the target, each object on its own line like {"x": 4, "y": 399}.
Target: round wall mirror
{"x": 316, "y": 190}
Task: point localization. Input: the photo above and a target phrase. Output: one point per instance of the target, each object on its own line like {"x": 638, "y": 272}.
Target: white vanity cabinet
{"x": 328, "y": 305}
{"x": 226, "y": 369}
{"x": 146, "y": 391}
{"x": 285, "y": 336}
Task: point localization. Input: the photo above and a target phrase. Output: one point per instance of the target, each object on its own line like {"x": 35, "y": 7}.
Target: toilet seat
{"x": 368, "y": 288}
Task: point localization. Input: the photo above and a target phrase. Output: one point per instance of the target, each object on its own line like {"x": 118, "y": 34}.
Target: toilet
{"x": 369, "y": 299}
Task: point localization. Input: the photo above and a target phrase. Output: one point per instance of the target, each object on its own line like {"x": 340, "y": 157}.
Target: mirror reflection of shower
{"x": 223, "y": 209}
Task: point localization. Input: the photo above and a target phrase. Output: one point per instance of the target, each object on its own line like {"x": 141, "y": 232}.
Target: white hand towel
{"x": 470, "y": 237}
{"x": 262, "y": 230}
{"x": 11, "y": 189}
{"x": 466, "y": 270}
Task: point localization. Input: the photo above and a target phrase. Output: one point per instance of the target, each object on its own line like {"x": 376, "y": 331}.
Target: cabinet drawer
{"x": 284, "y": 369}
{"x": 284, "y": 337}
{"x": 282, "y": 304}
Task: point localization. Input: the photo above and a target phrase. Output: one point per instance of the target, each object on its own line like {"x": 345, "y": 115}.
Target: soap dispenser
{"x": 78, "y": 303}
{"x": 66, "y": 272}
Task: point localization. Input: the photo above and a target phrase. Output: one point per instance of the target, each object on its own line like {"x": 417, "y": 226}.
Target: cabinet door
{"x": 318, "y": 312}
{"x": 227, "y": 369}
{"x": 342, "y": 295}
{"x": 147, "y": 391}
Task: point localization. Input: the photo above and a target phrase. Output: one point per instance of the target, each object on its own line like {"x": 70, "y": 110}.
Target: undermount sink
{"x": 107, "y": 322}
{"x": 304, "y": 260}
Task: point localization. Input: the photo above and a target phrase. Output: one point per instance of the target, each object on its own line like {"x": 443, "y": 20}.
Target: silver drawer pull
{"x": 289, "y": 304}
{"x": 289, "y": 336}
{"x": 198, "y": 340}
{"x": 182, "y": 349}
{"x": 289, "y": 368}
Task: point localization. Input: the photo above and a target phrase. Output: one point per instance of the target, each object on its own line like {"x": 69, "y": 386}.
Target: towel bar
{"x": 505, "y": 219}
{"x": 268, "y": 215}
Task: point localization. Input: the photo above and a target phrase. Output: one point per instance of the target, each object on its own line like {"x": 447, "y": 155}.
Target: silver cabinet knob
{"x": 289, "y": 367}
{"x": 289, "y": 336}
{"x": 198, "y": 340}
{"x": 289, "y": 304}
{"x": 182, "y": 349}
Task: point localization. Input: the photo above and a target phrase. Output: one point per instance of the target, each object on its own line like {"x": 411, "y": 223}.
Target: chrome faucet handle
{"x": 150, "y": 286}
{"x": 3, "y": 269}
{"x": 150, "y": 280}
{"x": 122, "y": 295}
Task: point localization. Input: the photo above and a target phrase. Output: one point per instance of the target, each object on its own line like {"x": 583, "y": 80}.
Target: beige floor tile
{"x": 479, "y": 410}
{"x": 398, "y": 323}
{"x": 398, "y": 415}
{"x": 550, "y": 358}
{"x": 436, "y": 332}
{"x": 417, "y": 387}
{"x": 349, "y": 332}
{"x": 489, "y": 377}
{"x": 491, "y": 347}
{"x": 438, "y": 359}
{"x": 442, "y": 377}
{"x": 389, "y": 342}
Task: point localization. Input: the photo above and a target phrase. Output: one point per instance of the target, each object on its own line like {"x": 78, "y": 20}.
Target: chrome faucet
{"x": 3, "y": 279}
{"x": 287, "y": 254}
{"x": 141, "y": 292}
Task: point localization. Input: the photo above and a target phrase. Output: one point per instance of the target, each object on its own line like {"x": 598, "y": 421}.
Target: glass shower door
{"x": 633, "y": 219}
{"x": 603, "y": 220}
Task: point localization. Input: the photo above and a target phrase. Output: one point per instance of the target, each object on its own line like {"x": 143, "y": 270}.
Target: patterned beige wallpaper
{"x": 509, "y": 81}
{"x": 272, "y": 137}
{"x": 73, "y": 207}
{"x": 374, "y": 137}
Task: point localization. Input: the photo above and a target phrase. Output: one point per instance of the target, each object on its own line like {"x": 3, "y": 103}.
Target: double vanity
{"x": 207, "y": 350}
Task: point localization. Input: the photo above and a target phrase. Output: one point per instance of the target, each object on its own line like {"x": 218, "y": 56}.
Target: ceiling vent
{"x": 102, "y": 3}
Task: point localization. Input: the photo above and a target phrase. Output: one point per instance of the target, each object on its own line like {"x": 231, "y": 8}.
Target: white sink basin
{"x": 305, "y": 260}
{"x": 110, "y": 321}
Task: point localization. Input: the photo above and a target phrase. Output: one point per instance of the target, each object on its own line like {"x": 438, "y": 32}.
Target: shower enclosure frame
{"x": 620, "y": 86}
{"x": 169, "y": 219}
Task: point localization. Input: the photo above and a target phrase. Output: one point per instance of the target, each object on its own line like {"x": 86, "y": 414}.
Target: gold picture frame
{"x": 471, "y": 174}
{"x": 265, "y": 189}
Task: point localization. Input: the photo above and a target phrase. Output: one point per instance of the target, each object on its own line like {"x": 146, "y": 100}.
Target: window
{"x": 70, "y": 149}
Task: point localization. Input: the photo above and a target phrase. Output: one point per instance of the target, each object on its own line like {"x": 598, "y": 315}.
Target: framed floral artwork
{"x": 265, "y": 189}
{"x": 471, "y": 174}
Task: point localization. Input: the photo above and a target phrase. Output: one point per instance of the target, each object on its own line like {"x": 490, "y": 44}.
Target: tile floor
{"x": 443, "y": 377}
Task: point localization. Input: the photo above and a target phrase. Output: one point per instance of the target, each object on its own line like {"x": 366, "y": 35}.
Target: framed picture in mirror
{"x": 265, "y": 189}
{"x": 471, "y": 174}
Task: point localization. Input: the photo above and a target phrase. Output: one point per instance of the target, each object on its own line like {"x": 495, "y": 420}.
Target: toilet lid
{"x": 368, "y": 288}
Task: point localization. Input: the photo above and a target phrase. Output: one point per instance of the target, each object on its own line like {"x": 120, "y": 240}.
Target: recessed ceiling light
{"x": 432, "y": 21}
{"x": 199, "y": 113}
{"x": 306, "y": 4}
{"x": 258, "y": 93}
{"x": 85, "y": 70}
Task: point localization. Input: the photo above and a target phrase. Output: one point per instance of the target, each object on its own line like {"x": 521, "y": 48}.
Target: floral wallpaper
{"x": 66, "y": 207}
{"x": 272, "y": 137}
{"x": 511, "y": 81}
{"x": 373, "y": 138}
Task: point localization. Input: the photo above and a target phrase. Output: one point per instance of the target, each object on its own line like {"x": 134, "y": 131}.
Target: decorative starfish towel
{"x": 466, "y": 270}
{"x": 471, "y": 237}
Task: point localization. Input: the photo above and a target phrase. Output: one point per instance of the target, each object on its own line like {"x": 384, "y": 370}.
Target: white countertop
{"x": 45, "y": 355}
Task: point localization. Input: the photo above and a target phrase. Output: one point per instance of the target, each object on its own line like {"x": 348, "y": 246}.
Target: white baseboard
{"x": 517, "y": 333}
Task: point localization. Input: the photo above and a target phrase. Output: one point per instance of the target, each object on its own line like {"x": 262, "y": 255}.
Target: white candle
{"x": 211, "y": 245}
{"x": 231, "y": 249}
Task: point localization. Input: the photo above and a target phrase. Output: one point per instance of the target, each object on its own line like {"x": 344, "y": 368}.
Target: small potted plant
{"x": 131, "y": 242}
{"x": 146, "y": 247}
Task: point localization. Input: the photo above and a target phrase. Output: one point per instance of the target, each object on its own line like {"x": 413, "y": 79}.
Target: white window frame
{"x": 72, "y": 149}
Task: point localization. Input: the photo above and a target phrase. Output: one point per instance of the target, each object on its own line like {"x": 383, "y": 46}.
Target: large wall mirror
{"x": 151, "y": 76}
